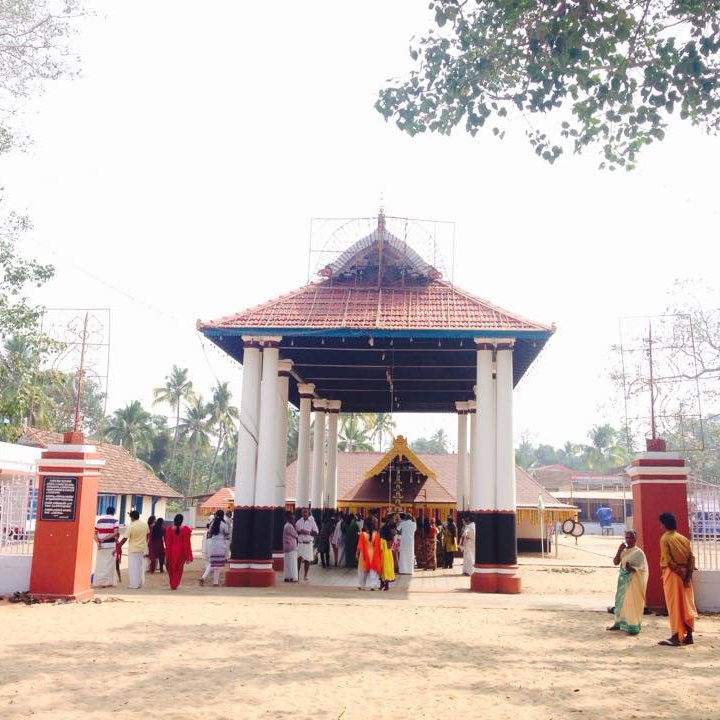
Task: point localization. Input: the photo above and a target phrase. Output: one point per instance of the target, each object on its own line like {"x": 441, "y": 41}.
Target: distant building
{"x": 588, "y": 491}
{"x": 125, "y": 482}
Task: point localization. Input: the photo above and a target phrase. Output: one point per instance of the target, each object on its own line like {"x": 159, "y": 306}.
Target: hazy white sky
{"x": 176, "y": 179}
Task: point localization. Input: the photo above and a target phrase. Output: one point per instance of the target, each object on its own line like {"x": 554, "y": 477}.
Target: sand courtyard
{"x": 427, "y": 649}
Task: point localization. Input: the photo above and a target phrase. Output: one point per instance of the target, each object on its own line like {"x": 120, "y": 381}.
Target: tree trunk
{"x": 175, "y": 436}
{"x": 212, "y": 466}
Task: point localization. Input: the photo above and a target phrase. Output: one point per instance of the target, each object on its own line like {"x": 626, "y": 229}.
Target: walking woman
{"x": 157, "y": 545}
{"x": 218, "y": 536}
{"x": 177, "y": 550}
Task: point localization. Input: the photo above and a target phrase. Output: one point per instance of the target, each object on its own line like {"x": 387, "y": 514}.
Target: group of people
{"x": 378, "y": 548}
{"x": 151, "y": 546}
{"x": 677, "y": 564}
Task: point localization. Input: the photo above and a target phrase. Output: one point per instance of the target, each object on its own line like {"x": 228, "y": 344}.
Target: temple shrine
{"x": 380, "y": 330}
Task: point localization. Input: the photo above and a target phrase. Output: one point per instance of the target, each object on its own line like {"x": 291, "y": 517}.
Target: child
{"x": 118, "y": 556}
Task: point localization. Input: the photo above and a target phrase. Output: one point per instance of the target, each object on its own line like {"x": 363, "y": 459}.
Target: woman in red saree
{"x": 177, "y": 550}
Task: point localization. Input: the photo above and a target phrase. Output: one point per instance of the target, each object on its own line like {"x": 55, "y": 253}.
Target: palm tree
{"x": 379, "y": 425}
{"x": 228, "y": 455}
{"x": 293, "y": 433}
{"x": 353, "y": 436}
{"x": 440, "y": 441}
{"x": 194, "y": 429}
{"x": 223, "y": 417}
{"x": 130, "y": 427}
{"x": 177, "y": 388}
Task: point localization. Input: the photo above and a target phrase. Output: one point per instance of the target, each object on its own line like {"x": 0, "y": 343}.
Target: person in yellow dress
{"x": 387, "y": 572}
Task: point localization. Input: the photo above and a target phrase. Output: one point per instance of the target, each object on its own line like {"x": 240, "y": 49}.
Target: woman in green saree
{"x": 631, "y": 585}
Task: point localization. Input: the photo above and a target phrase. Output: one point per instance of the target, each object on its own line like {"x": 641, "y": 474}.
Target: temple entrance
{"x": 380, "y": 330}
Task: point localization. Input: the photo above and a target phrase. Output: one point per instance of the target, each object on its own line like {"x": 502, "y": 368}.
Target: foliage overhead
{"x": 17, "y": 314}
{"x": 34, "y": 49}
{"x": 611, "y": 72}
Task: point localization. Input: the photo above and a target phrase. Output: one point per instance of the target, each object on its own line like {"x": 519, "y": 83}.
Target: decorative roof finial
{"x": 381, "y": 213}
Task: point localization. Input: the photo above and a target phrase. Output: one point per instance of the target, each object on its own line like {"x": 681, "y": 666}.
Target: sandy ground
{"x": 426, "y": 649}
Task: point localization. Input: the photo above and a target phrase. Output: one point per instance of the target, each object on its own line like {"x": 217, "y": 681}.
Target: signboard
{"x": 59, "y": 498}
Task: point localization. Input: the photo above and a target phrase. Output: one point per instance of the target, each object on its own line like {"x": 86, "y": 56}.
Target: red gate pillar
{"x": 64, "y": 529}
{"x": 659, "y": 484}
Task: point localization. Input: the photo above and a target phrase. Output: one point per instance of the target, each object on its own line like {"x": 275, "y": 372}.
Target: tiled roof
{"x": 122, "y": 473}
{"x": 351, "y": 468}
{"x": 437, "y": 305}
{"x": 221, "y": 499}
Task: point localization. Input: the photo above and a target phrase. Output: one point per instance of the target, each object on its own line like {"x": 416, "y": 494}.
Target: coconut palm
{"x": 176, "y": 389}
{"x": 194, "y": 428}
{"x": 223, "y": 417}
{"x": 379, "y": 425}
{"x": 354, "y": 435}
{"x": 293, "y": 434}
{"x": 130, "y": 427}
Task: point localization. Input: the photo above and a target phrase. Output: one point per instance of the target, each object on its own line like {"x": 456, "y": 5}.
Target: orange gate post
{"x": 64, "y": 530}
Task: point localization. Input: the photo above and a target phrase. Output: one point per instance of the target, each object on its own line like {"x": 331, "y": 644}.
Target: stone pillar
{"x": 302, "y": 481}
{"x": 462, "y": 478}
{"x": 331, "y": 477}
{"x": 64, "y": 529}
{"x": 659, "y": 484}
{"x": 472, "y": 449}
{"x": 284, "y": 368}
{"x": 242, "y": 533}
{"x": 505, "y": 502}
{"x": 318, "y": 465}
{"x": 484, "y": 578}
{"x": 261, "y": 572}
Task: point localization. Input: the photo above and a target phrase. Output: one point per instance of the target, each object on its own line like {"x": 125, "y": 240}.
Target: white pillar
{"x": 484, "y": 460}
{"x": 331, "y": 478}
{"x": 318, "y": 467}
{"x": 472, "y": 450}
{"x": 284, "y": 367}
{"x": 505, "y": 462}
{"x": 462, "y": 484}
{"x": 248, "y": 430}
{"x": 267, "y": 437}
{"x": 302, "y": 477}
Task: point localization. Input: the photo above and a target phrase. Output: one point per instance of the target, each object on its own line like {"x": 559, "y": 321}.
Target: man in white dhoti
{"x": 468, "y": 544}
{"x": 307, "y": 529}
{"x": 107, "y": 530}
{"x": 136, "y": 534}
{"x": 406, "y": 556}
{"x": 290, "y": 549}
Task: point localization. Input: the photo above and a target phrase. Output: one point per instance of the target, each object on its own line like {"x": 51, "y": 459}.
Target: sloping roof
{"x": 400, "y": 450}
{"x": 122, "y": 474}
{"x": 221, "y": 499}
{"x": 437, "y": 305}
{"x": 351, "y": 469}
{"x": 372, "y": 490}
{"x": 409, "y": 258}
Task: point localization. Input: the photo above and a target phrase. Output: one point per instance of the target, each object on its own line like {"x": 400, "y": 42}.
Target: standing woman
{"x": 449, "y": 542}
{"x": 338, "y": 541}
{"x": 177, "y": 550}
{"x": 157, "y": 545}
{"x": 149, "y": 556}
{"x": 218, "y": 536}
